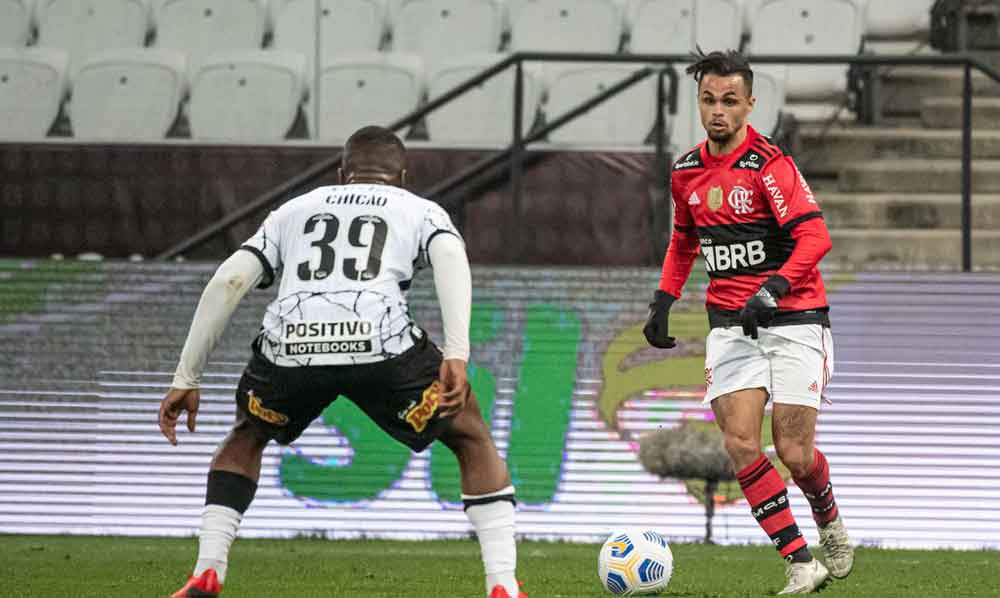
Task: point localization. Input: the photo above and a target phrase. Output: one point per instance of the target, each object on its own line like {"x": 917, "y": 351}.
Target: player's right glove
{"x": 656, "y": 327}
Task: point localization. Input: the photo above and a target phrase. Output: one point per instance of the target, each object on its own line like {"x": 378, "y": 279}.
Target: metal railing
{"x": 662, "y": 65}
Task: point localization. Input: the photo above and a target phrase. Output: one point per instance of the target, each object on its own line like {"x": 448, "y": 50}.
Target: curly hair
{"x": 725, "y": 63}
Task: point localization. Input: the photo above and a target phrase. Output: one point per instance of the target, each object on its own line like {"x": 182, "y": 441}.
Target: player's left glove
{"x": 761, "y": 307}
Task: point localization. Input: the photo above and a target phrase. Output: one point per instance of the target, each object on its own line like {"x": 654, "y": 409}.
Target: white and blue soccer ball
{"x": 635, "y": 562}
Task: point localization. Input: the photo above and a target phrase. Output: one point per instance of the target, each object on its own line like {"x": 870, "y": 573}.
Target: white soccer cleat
{"x": 837, "y": 546}
{"x": 804, "y": 578}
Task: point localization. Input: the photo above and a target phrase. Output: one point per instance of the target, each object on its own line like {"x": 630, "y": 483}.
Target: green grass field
{"x": 70, "y": 567}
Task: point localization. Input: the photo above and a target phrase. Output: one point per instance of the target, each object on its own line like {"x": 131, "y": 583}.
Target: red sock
{"x": 818, "y": 490}
{"x": 768, "y": 497}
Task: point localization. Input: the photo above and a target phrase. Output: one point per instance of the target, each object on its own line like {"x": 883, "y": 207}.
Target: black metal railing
{"x": 662, "y": 64}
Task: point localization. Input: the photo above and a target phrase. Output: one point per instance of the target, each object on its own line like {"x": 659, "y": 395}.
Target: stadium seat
{"x": 348, "y": 26}
{"x": 770, "y": 93}
{"x": 624, "y": 120}
{"x": 897, "y": 18}
{"x": 201, "y": 27}
{"x": 685, "y": 128}
{"x": 247, "y": 96}
{"x": 128, "y": 94}
{"x": 804, "y": 27}
{"x": 483, "y": 115}
{"x": 679, "y": 26}
{"x": 375, "y": 88}
{"x": 15, "y": 23}
{"x": 32, "y": 87}
{"x": 437, "y": 30}
{"x": 897, "y": 26}
{"x": 85, "y": 27}
{"x": 567, "y": 26}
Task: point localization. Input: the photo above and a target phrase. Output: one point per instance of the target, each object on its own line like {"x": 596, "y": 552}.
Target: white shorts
{"x": 793, "y": 363}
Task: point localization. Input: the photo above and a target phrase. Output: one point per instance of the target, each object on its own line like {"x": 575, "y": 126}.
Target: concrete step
{"x": 906, "y": 211}
{"x": 904, "y": 88}
{"x": 946, "y": 113}
{"x": 918, "y": 176}
{"x": 826, "y": 153}
{"x": 912, "y": 249}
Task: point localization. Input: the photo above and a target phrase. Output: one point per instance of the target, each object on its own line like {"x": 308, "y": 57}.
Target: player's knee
{"x": 248, "y": 436}
{"x": 742, "y": 448}
{"x": 796, "y": 456}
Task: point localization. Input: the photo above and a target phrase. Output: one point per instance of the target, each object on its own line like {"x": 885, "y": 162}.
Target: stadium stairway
{"x": 891, "y": 193}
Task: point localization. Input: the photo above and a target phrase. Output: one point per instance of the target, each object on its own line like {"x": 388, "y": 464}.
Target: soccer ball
{"x": 635, "y": 563}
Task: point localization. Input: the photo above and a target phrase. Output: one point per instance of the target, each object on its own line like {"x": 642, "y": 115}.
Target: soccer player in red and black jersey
{"x": 743, "y": 202}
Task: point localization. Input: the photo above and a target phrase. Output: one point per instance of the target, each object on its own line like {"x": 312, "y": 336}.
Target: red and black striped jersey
{"x": 752, "y": 215}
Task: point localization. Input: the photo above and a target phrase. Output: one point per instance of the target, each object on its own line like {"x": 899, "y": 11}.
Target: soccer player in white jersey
{"x": 344, "y": 256}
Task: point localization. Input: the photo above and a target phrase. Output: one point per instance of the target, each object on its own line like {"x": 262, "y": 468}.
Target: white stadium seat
{"x": 897, "y": 18}
{"x": 348, "y": 26}
{"x": 201, "y": 27}
{"x": 85, "y": 27}
{"x": 685, "y": 127}
{"x": 437, "y": 30}
{"x": 750, "y": 8}
{"x": 897, "y": 26}
{"x": 128, "y": 94}
{"x": 32, "y": 87}
{"x": 804, "y": 27}
{"x": 679, "y": 26}
{"x": 623, "y": 120}
{"x": 15, "y": 23}
{"x": 246, "y": 96}
{"x": 567, "y": 26}
{"x": 375, "y": 88}
{"x": 483, "y": 115}
{"x": 770, "y": 93}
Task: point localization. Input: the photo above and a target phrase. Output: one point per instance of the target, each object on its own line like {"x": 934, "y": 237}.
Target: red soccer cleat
{"x": 205, "y": 585}
{"x": 501, "y": 592}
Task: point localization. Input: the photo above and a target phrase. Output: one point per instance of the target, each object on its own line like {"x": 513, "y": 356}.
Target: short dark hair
{"x": 725, "y": 63}
{"x": 375, "y": 148}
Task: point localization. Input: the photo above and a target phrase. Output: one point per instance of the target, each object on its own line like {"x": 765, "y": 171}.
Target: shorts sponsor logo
{"x": 708, "y": 376}
{"x": 715, "y": 198}
{"x": 318, "y": 338}
{"x": 741, "y": 200}
{"x": 814, "y": 387}
{"x": 720, "y": 258}
{"x": 419, "y": 414}
{"x": 263, "y": 413}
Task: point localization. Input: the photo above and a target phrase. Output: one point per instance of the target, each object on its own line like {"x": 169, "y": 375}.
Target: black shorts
{"x": 400, "y": 395}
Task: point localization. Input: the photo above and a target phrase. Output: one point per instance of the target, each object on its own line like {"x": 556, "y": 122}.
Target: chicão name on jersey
{"x": 358, "y": 199}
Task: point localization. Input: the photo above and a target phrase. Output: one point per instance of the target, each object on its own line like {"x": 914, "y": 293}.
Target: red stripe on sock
{"x": 777, "y": 522}
{"x": 814, "y": 485}
{"x": 766, "y": 486}
{"x": 753, "y": 468}
{"x": 792, "y": 546}
{"x": 818, "y": 478}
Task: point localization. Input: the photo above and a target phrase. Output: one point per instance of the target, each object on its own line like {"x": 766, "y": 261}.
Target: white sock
{"x": 494, "y": 524}
{"x": 218, "y": 530}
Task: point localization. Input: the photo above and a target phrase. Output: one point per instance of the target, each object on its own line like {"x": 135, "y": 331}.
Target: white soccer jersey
{"x": 346, "y": 255}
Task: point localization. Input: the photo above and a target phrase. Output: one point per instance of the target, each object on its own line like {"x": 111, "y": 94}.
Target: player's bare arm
{"x": 237, "y": 275}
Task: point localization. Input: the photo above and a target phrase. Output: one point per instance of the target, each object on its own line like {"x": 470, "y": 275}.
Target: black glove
{"x": 761, "y": 307}
{"x": 655, "y": 329}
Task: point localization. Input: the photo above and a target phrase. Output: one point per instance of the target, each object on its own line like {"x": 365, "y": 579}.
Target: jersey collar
{"x": 711, "y": 161}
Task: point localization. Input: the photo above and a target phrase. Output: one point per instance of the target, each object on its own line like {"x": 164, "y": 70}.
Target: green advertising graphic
{"x": 539, "y": 423}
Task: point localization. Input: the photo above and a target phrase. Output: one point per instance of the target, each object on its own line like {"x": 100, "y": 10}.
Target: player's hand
{"x": 454, "y": 387}
{"x": 656, "y": 328}
{"x": 177, "y": 400}
{"x": 761, "y": 307}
